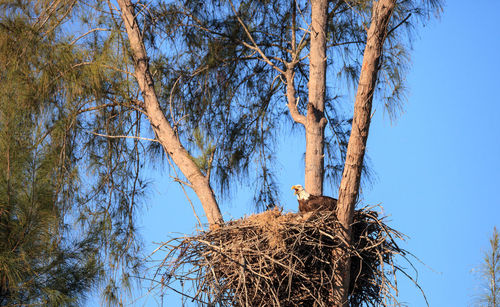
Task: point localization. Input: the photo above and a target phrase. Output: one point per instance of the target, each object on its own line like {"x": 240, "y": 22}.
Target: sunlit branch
{"x": 87, "y": 33}
{"x": 123, "y": 137}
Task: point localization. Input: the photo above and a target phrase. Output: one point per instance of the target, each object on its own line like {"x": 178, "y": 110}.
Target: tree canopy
{"x": 94, "y": 94}
{"x": 41, "y": 260}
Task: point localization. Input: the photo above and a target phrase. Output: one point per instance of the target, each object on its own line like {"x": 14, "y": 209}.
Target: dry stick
{"x": 182, "y": 183}
{"x": 177, "y": 179}
{"x": 170, "y": 101}
{"x": 87, "y": 33}
{"x": 122, "y": 137}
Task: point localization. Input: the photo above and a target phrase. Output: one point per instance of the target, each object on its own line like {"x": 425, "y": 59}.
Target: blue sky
{"x": 437, "y": 168}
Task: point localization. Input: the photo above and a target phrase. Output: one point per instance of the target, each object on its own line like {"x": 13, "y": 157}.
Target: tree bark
{"x": 290, "y": 71}
{"x": 349, "y": 186}
{"x": 316, "y": 121}
{"x": 164, "y": 132}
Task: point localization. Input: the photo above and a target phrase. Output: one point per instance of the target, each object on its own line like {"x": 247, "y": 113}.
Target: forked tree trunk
{"x": 349, "y": 186}
{"x": 315, "y": 118}
{"x": 164, "y": 132}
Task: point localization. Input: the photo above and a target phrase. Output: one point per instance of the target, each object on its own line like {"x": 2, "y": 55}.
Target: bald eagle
{"x": 308, "y": 202}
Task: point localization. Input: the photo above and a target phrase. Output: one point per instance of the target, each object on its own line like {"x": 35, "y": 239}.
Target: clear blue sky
{"x": 437, "y": 167}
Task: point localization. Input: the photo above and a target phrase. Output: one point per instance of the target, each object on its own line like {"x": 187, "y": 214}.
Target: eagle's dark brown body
{"x": 309, "y": 202}
{"x": 317, "y": 203}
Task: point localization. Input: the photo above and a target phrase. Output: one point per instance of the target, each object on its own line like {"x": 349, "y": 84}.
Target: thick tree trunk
{"x": 316, "y": 121}
{"x": 349, "y": 186}
{"x": 164, "y": 132}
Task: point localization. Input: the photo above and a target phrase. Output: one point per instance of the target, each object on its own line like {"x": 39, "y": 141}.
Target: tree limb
{"x": 123, "y": 137}
{"x": 292, "y": 99}
{"x": 255, "y": 46}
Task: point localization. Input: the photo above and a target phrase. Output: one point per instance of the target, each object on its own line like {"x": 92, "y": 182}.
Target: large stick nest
{"x": 275, "y": 259}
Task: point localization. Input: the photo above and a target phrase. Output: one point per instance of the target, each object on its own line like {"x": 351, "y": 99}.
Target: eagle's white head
{"x": 300, "y": 192}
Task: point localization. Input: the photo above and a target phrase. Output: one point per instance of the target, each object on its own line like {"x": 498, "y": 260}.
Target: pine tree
{"x": 41, "y": 261}
{"x": 69, "y": 195}
{"x": 213, "y": 101}
{"x": 228, "y": 50}
{"x": 489, "y": 272}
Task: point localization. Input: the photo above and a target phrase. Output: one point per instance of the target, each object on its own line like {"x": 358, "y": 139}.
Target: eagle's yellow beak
{"x": 296, "y": 189}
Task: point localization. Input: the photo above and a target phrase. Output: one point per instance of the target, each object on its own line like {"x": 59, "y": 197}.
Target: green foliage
{"x": 211, "y": 79}
{"x": 40, "y": 263}
{"x": 70, "y": 121}
{"x": 206, "y": 150}
{"x": 68, "y": 197}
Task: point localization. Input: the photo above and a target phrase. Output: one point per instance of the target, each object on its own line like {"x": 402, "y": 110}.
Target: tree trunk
{"x": 164, "y": 132}
{"x": 349, "y": 186}
{"x": 316, "y": 121}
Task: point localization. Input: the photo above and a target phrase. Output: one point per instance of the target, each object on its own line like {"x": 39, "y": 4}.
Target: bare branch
{"x": 182, "y": 183}
{"x": 345, "y": 43}
{"x": 87, "y": 33}
{"x": 292, "y": 99}
{"x": 261, "y": 53}
{"x": 398, "y": 25}
{"x": 170, "y": 99}
{"x": 255, "y": 46}
{"x": 177, "y": 179}
{"x": 122, "y": 137}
